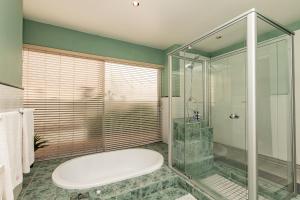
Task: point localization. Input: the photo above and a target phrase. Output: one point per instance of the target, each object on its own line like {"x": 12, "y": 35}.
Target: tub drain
{"x": 98, "y": 192}
{"x": 81, "y": 196}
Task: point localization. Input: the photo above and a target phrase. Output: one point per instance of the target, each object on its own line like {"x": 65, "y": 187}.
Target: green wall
{"x": 36, "y": 33}
{"x": 61, "y": 38}
{"x": 11, "y": 42}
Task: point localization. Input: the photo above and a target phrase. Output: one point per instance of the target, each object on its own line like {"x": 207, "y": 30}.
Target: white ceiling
{"x": 155, "y": 23}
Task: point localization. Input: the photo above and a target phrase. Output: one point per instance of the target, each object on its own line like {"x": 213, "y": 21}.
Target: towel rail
{"x": 20, "y": 110}
{"x": 1, "y": 169}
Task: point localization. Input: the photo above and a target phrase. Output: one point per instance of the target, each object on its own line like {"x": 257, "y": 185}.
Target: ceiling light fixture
{"x": 135, "y": 3}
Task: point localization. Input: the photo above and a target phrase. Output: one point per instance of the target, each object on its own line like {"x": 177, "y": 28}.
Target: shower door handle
{"x": 234, "y": 116}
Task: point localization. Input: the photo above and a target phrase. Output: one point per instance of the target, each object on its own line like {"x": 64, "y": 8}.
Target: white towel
{"x": 11, "y": 151}
{"x": 28, "y": 139}
{"x": 1, "y": 181}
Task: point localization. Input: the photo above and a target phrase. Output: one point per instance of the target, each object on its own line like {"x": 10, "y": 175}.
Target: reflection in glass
{"x": 209, "y": 112}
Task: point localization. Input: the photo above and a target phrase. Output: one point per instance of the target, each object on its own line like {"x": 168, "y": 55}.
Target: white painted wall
{"x": 177, "y": 113}
{"x": 10, "y": 98}
{"x": 297, "y": 92}
{"x": 228, "y": 97}
{"x": 273, "y": 115}
{"x": 164, "y": 115}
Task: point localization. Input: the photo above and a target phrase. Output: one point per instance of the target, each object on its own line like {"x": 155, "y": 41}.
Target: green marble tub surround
{"x": 161, "y": 184}
{"x": 167, "y": 194}
{"x": 137, "y": 187}
{"x": 160, "y": 147}
{"x": 38, "y": 183}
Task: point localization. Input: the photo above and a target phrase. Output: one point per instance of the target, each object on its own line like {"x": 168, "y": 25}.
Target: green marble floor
{"x": 167, "y": 194}
{"x": 162, "y": 184}
{"x": 232, "y": 175}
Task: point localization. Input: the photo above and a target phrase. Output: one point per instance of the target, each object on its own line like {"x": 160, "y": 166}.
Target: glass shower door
{"x": 228, "y": 109}
{"x": 198, "y": 149}
{"x": 233, "y": 151}
{"x": 215, "y": 146}
{"x": 274, "y": 95}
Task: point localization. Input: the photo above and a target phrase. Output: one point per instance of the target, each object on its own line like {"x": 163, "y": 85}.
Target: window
{"x": 85, "y": 105}
{"x": 131, "y": 106}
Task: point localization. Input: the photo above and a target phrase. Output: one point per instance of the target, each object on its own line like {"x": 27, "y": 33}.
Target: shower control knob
{"x": 234, "y": 116}
{"x": 98, "y": 192}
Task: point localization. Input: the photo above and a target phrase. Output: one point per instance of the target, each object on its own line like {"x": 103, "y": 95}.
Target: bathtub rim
{"x": 62, "y": 183}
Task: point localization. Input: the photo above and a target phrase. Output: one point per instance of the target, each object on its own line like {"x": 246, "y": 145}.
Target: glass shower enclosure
{"x": 231, "y": 110}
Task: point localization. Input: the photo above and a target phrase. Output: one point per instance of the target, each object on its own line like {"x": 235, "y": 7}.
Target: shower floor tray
{"x": 226, "y": 188}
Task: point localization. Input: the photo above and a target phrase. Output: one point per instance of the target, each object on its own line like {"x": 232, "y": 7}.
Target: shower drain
{"x": 79, "y": 196}
{"x": 98, "y": 192}
{"x": 227, "y": 188}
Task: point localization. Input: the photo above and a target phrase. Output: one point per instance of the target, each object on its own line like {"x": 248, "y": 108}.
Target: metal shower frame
{"x": 251, "y": 16}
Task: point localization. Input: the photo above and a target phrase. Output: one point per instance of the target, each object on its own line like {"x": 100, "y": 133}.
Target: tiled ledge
{"x": 138, "y": 187}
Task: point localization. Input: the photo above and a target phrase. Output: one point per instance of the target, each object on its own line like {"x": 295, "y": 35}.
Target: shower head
{"x": 189, "y": 66}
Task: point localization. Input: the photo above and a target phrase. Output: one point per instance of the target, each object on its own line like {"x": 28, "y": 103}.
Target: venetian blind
{"x": 132, "y": 114}
{"x": 67, "y": 93}
{"x": 84, "y": 105}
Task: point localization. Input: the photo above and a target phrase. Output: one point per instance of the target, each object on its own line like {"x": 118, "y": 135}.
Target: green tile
{"x": 161, "y": 184}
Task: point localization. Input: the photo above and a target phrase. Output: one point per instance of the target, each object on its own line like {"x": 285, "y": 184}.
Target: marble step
{"x": 136, "y": 188}
{"x": 172, "y": 193}
{"x": 148, "y": 187}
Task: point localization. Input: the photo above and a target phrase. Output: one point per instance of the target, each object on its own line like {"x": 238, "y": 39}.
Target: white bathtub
{"x": 104, "y": 168}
